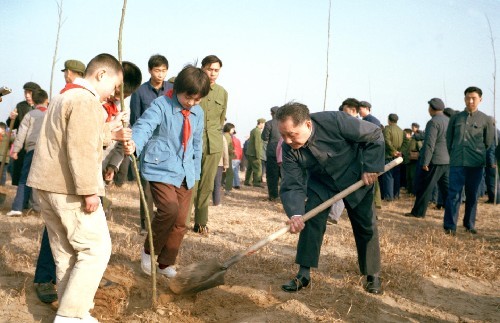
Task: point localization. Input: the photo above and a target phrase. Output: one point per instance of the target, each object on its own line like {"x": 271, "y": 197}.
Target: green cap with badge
{"x": 74, "y": 65}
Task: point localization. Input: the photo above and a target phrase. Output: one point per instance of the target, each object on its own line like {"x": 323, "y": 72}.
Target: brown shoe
{"x": 46, "y": 292}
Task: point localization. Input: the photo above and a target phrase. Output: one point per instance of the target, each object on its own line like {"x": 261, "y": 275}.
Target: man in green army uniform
{"x": 254, "y": 154}
{"x": 214, "y": 106}
{"x": 390, "y": 181}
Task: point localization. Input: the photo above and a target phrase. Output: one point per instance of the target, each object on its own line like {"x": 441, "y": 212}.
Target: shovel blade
{"x": 198, "y": 277}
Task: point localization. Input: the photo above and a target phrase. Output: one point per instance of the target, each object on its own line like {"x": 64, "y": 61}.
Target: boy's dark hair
{"x": 210, "y": 59}
{"x": 407, "y": 130}
{"x": 298, "y": 112}
{"x": 415, "y": 125}
{"x": 192, "y": 80}
{"x": 39, "y": 96}
{"x": 132, "y": 78}
{"x": 228, "y": 126}
{"x": 103, "y": 61}
{"x": 157, "y": 60}
{"x": 3, "y": 125}
{"x": 472, "y": 89}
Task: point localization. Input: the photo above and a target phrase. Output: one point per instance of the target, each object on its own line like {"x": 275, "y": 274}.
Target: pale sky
{"x": 396, "y": 54}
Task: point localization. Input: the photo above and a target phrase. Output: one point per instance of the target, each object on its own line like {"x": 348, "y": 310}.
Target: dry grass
{"x": 428, "y": 276}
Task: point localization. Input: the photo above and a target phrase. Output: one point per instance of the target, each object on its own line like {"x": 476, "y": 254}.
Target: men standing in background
{"x": 433, "y": 163}
{"x": 214, "y": 106}
{"x": 271, "y": 134}
{"x": 470, "y": 133}
{"x": 253, "y": 154}
{"x": 393, "y": 136}
{"x": 139, "y": 102}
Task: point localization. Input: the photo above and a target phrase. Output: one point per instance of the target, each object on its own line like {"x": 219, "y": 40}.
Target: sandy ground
{"x": 428, "y": 276}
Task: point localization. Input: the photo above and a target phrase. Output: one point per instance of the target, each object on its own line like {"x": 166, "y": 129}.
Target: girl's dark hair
{"x": 228, "y": 126}
{"x": 192, "y": 80}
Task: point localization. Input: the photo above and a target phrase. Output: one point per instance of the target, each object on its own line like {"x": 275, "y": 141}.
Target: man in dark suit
{"x": 434, "y": 162}
{"x": 272, "y": 136}
{"x": 336, "y": 150}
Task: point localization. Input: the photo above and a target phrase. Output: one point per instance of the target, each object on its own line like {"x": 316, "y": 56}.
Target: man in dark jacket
{"x": 470, "y": 133}
{"x": 336, "y": 150}
{"x": 271, "y": 134}
{"x": 434, "y": 160}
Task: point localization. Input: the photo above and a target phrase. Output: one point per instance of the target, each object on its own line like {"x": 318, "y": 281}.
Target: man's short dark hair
{"x": 210, "y": 59}
{"x": 39, "y": 96}
{"x": 192, "y": 81}
{"x": 132, "y": 77}
{"x": 103, "y": 61}
{"x": 351, "y": 102}
{"x": 407, "y": 130}
{"x": 3, "y": 125}
{"x": 228, "y": 126}
{"x": 298, "y": 112}
{"x": 472, "y": 89}
{"x": 156, "y": 61}
{"x": 415, "y": 125}
{"x": 393, "y": 118}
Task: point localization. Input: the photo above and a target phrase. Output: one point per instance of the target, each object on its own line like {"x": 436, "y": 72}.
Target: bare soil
{"x": 428, "y": 276}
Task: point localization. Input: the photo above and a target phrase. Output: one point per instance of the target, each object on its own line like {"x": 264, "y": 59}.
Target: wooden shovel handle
{"x": 312, "y": 213}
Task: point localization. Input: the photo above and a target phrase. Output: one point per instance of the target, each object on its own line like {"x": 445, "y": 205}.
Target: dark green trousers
{"x": 254, "y": 169}
{"x": 202, "y": 190}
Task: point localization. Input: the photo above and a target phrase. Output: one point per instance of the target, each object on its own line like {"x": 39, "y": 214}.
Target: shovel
{"x": 207, "y": 274}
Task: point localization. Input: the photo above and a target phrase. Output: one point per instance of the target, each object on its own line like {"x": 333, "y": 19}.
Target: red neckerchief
{"x": 41, "y": 108}
{"x": 111, "y": 109}
{"x": 186, "y": 125}
{"x": 70, "y": 86}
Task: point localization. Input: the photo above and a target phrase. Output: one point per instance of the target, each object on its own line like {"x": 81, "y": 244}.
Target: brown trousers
{"x": 169, "y": 224}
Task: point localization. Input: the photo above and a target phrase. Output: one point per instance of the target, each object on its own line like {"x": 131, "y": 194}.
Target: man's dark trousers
{"x": 273, "y": 175}
{"x": 461, "y": 176}
{"x": 45, "y": 271}
{"x": 364, "y": 227}
{"x": 425, "y": 182}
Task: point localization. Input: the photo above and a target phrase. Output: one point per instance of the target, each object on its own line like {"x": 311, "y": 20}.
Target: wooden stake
{"x": 136, "y": 172}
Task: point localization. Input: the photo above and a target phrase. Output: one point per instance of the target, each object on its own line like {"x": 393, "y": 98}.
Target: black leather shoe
{"x": 296, "y": 284}
{"x": 408, "y": 214}
{"x": 473, "y": 231}
{"x": 199, "y": 228}
{"x": 373, "y": 285}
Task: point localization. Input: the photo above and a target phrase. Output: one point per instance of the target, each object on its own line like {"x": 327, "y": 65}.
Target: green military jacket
{"x": 393, "y": 136}
{"x": 255, "y": 144}
{"x": 230, "y": 146}
{"x": 214, "y": 106}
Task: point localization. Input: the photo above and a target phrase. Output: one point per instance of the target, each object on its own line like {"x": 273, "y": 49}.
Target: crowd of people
{"x": 189, "y": 157}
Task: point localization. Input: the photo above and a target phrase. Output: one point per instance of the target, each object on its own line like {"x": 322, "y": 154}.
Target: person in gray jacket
{"x": 433, "y": 164}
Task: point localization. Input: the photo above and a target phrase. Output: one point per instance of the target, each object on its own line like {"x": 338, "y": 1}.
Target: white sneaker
{"x": 146, "y": 263}
{"x": 170, "y": 271}
{"x": 14, "y": 213}
{"x": 86, "y": 319}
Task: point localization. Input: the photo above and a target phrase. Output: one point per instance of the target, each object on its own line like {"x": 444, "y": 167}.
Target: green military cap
{"x": 261, "y": 120}
{"x": 74, "y": 65}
